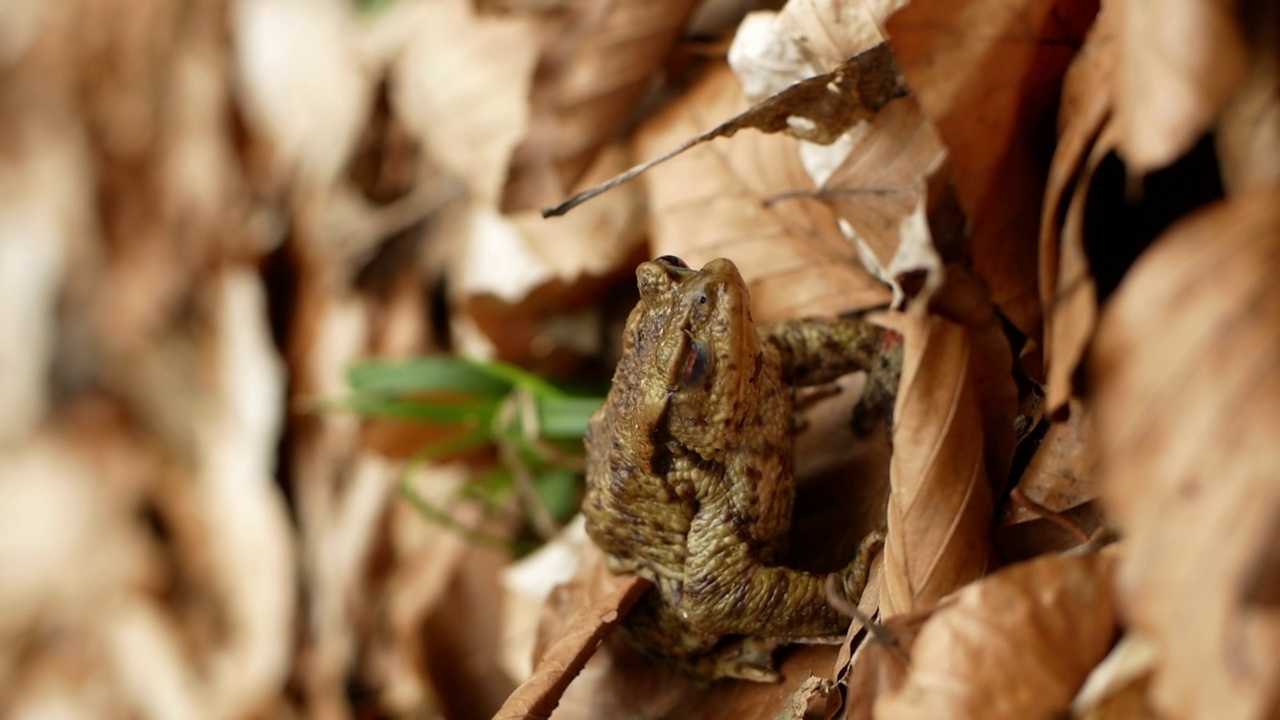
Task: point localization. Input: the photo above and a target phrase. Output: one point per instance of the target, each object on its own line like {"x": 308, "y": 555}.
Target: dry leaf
{"x": 819, "y": 109}
{"x": 526, "y": 586}
{"x": 1117, "y": 687}
{"x": 40, "y": 202}
{"x": 940, "y": 498}
{"x": 1248, "y": 135}
{"x": 617, "y": 684}
{"x": 1178, "y": 64}
{"x": 772, "y": 50}
{"x": 562, "y": 662}
{"x": 880, "y": 664}
{"x": 312, "y": 118}
{"x": 1016, "y": 645}
{"x": 469, "y": 121}
{"x": 987, "y": 73}
{"x": 1188, "y": 458}
{"x": 241, "y": 506}
{"x": 879, "y": 191}
{"x": 1063, "y": 472}
{"x": 1053, "y": 507}
{"x": 729, "y": 200}
{"x": 596, "y": 63}
{"x": 1067, "y": 289}
{"x": 816, "y": 699}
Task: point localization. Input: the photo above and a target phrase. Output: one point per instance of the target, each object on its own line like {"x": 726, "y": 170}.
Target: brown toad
{"x": 689, "y": 469}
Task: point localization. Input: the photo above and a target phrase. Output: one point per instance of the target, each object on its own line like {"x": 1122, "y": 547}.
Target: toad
{"x": 689, "y": 469}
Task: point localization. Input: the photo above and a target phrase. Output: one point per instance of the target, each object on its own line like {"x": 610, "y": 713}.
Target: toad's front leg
{"x": 815, "y": 351}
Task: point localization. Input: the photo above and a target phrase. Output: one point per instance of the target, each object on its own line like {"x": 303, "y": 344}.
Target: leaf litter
{"x": 1046, "y": 201}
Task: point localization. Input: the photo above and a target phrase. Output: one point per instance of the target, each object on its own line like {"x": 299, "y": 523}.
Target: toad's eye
{"x": 673, "y": 260}
{"x": 697, "y": 361}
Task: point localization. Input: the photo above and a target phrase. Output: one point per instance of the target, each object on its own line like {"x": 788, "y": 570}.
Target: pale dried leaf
{"x": 1066, "y": 287}
{"x": 562, "y": 662}
{"x": 1179, "y": 62}
{"x": 470, "y": 121}
{"x": 879, "y": 666}
{"x": 1189, "y": 460}
{"x": 829, "y": 32}
{"x": 1073, "y": 312}
{"x": 1117, "y": 687}
{"x": 38, "y": 198}
{"x": 882, "y": 182}
{"x": 940, "y": 499}
{"x": 726, "y": 201}
{"x": 597, "y": 62}
{"x": 818, "y": 109}
{"x": 595, "y": 240}
{"x": 987, "y": 73}
{"x": 816, "y": 699}
{"x": 1063, "y": 472}
{"x": 526, "y": 586}
{"x": 312, "y": 117}
{"x": 249, "y": 534}
{"x": 772, "y": 50}
{"x": 1248, "y": 134}
{"x": 1016, "y": 645}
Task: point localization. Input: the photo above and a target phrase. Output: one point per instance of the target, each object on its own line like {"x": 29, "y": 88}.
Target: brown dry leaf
{"x": 987, "y": 72}
{"x": 526, "y": 586}
{"x": 730, "y": 200}
{"x": 1016, "y": 645}
{"x": 1063, "y": 472}
{"x": 312, "y": 118}
{"x": 249, "y": 537}
{"x": 1054, "y": 506}
{"x": 579, "y": 638}
{"x": 533, "y": 285}
{"x": 470, "y": 122}
{"x": 1189, "y": 460}
{"x": 817, "y": 698}
{"x": 597, "y": 239}
{"x": 1117, "y": 687}
{"x": 940, "y": 498}
{"x": 882, "y": 183}
{"x": 619, "y": 683}
{"x": 1248, "y": 134}
{"x": 1179, "y": 63}
{"x": 50, "y": 478}
{"x": 597, "y": 62}
{"x": 42, "y": 201}
{"x": 1067, "y": 289}
{"x": 772, "y": 50}
{"x": 819, "y": 109}
{"x": 880, "y": 664}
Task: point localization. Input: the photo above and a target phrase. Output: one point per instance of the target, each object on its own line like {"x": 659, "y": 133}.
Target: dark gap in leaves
{"x": 1022, "y": 455}
{"x": 282, "y": 279}
{"x": 436, "y": 291}
{"x": 384, "y": 166}
{"x": 1119, "y": 225}
{"x": 394, "y": 257}
{"x": 362, "y": 694}
{"x": 911, "y": 282}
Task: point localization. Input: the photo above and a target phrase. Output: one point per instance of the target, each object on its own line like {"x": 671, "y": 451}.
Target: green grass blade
{"x": 476, "y": 412}
{"x": 565, "y": 418}
{"x": 426, "y": 375}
